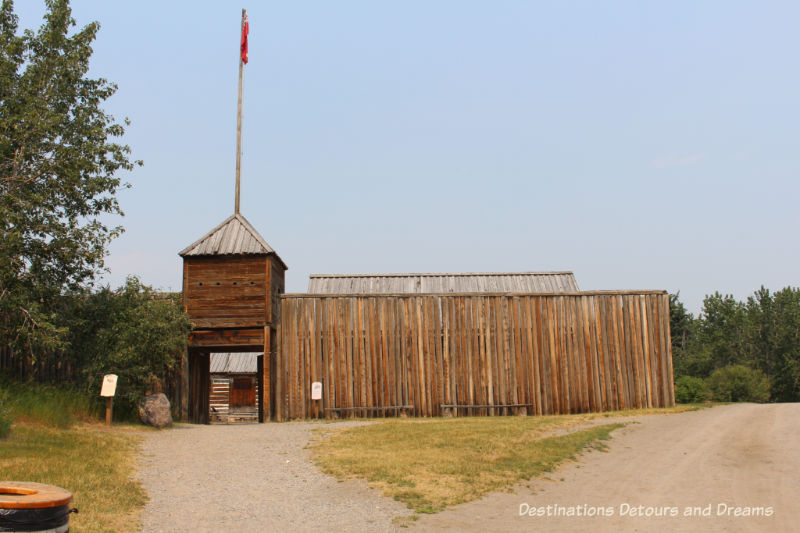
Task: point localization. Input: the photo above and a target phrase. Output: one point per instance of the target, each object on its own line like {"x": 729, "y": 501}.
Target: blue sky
{"x": 642, "y": 145}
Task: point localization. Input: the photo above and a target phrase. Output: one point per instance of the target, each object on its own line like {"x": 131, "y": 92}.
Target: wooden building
{"x": 470, "y": 344}
{"x": 232, "y": 282}
{"x": 414, "y": 344}
{"x": 448, "y": 344}
{"x": 233, "y": 396}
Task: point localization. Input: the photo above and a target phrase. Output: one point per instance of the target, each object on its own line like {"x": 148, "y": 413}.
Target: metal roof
{"x": 234, "y": 236}
{"x": 234, "y": 363}
{"x": 458, "y": 282}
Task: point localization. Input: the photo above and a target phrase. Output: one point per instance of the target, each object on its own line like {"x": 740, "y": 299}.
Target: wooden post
{"x": 107, "y": 391}
{"x": 185, "y": 384}
{"x": 109, "y": 408}
{"x": 260, "y": 373}
{"x": 239, "y": 123}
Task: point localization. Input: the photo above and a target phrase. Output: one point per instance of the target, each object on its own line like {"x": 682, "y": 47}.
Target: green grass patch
{"x": 93, "y": 463}
{"x": 49, "y": 442}
{"x": 5, "y": 416}
{"x": 431, "y": 464}
{"x": 58, "y": 407}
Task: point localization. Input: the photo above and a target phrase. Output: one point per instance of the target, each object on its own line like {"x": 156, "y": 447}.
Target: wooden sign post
{"x": 107, "y": 391}
{"x": 316, "y": 394}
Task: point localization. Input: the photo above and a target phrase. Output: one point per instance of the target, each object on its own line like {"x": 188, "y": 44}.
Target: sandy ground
{"x": 251, "y": 478}
{"x": 712, "y": 461}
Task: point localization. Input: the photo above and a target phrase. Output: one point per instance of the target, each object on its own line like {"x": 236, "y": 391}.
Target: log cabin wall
{"x": 219, "y": 398}
{"x": 233, "y": 398}
{"x": 473, "y": 354}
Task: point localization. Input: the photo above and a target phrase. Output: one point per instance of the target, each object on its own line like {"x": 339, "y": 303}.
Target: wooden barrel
{"x": 26, "y": 506}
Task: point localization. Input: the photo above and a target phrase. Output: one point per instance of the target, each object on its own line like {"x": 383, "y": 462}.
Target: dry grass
{"x": 430, "y": 464}
{"x": 92, "y": 462}
{"x": 678, "y": 408}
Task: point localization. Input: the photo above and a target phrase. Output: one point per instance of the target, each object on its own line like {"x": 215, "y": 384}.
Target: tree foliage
{"x": 60, "y": 161}
{"x": 132, "y": 332}
{"x": 689, "y": 389}
{"x": 733, "y": 345}
{"x": 739, "y": 383}
{"x": 58, "y": 172}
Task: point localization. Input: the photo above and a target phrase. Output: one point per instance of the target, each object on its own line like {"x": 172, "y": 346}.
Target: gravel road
{"x": 259, "y": 478}
{"x": 255, "y": 477}
{"x": 741, "y": 456}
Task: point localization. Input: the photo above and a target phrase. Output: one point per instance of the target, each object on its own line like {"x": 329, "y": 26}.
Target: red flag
{"x": 245, "y": 31}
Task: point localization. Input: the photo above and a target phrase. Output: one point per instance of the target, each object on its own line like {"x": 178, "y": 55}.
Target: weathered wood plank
{"x": 227, "y": 338}
{"x": 474, "y": 354}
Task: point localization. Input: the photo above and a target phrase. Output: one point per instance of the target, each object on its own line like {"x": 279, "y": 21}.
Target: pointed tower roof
{"x": 234, "y": 236}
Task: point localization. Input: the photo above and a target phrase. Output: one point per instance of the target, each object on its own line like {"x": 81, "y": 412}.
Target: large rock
{"x": 154, "y": 410}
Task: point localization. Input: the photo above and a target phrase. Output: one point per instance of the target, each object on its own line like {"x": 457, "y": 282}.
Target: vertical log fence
{"x": 473, "y": 354}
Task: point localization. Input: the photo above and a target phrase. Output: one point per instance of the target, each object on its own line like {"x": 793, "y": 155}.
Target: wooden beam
{"x": 227, "y": 338}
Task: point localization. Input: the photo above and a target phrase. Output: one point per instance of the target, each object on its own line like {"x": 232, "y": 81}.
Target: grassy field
{"x": 430, "y": 464}
{"x": 55, "y": 439}
{"x": 47, "y": 405}
{"x": 95, "y": 464}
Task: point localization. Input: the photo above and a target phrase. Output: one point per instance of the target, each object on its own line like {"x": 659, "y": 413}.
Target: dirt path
{"x": 737, "y": 456}
{"x": 251, "y": 478}
{"x": 259, "y": 478}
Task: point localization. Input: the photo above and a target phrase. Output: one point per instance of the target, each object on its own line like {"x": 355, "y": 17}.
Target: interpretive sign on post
{"x": 107, "y": 391}
{"x": 316, "y": 390}
{"x": 109, "y": 386}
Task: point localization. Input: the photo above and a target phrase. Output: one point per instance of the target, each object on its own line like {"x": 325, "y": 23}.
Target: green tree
{"x": 761, "y": 334}
{"x": 132, "y": 332}
{"x": 58, "y": 173}
{"x": 722, "y": 330}
{"x": 774, "y": 339}
{"x": 680, "y": 322}
{"x": 687, "y": 359}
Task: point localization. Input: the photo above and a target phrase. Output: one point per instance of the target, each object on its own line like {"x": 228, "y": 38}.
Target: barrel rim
{"x": 45, "y": 496}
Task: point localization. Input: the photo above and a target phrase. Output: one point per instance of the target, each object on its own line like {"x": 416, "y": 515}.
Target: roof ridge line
{"x": 439, "y": 274}
{"x": 206, "y": 235}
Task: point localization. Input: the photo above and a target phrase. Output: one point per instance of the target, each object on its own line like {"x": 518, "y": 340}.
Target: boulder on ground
{"x": 155, "y": 411}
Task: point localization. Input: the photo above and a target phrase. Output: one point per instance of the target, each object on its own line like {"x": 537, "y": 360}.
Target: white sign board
{"x": 316, "y": 390}
{"x": 109, "y": 386}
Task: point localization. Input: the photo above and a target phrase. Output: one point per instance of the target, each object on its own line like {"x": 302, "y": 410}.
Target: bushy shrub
{"x": 132, "y": 333}
{"x": 689, "y": 389}
{"x": 739, "y": 383}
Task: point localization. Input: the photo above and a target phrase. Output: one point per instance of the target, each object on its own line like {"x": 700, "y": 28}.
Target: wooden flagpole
{"x": 239, "y": 122}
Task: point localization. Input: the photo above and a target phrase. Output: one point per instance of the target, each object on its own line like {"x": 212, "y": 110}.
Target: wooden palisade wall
{"x": 463, "y": 354}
